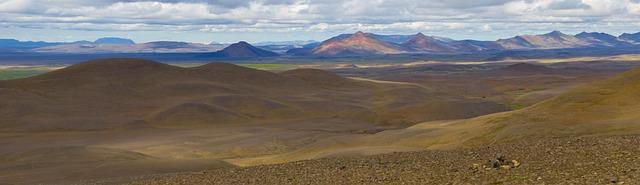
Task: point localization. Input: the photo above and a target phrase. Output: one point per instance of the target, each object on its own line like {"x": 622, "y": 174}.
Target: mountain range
{"x": 357, "y": 44}
{"x": 119, "y": 45}
{"x": 366, "y": 43}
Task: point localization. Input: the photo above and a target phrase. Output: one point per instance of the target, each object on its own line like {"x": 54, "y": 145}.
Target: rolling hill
{"x": 604, "y": 108}
{"x": 124, "y": 93}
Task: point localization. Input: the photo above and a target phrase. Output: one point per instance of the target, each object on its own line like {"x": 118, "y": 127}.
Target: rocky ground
{"x": 588, "y": 160}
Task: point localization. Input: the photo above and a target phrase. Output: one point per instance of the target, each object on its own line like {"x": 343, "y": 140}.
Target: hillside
{"x": 596, "y": 160}
{"x": 115, "y": 93}
{"x": 585, "y": 136}
{"x": 609, "y": 107}
{"x": 602, "y": 108}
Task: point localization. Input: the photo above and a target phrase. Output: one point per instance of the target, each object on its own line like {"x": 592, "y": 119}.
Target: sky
{"x": 225, "y": 21}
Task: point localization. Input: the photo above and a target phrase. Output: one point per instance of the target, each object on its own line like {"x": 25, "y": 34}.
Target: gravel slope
{"x": 588, "y": 160}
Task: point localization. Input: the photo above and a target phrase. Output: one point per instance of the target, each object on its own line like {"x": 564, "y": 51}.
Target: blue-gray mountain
{"x": 241, "y": 50}
{"x": 115, "y": 41}
{"x": 357, "y": 44}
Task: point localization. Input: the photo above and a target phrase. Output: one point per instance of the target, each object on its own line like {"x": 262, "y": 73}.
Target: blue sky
{"x": 204, "y": 21}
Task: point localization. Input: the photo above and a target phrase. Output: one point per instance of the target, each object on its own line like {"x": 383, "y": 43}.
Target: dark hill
{"x": 242, "y": 50}
{"x": 317, "y": 77}
{"x": 126, "y": 93}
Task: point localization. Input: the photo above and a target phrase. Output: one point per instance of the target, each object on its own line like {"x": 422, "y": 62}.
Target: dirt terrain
{"x": 150, "y": 117}
{"x": 582, "y": 160}
{"x": 120, "y": 120}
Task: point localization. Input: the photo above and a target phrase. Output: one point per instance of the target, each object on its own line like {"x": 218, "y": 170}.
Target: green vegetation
{"x": 515, "y": 106}
{"x": 271, "y": 67}
{"x": 9, "y": 74}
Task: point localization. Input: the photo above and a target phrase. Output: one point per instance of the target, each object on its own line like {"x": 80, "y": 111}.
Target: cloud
{"x": 568, "y": 4}
{"x": 316, "y": 15}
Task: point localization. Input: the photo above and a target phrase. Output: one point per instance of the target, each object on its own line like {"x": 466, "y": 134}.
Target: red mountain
{"x": 356, "y": 44}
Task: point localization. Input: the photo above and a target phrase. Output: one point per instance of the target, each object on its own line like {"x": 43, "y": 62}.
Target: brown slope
{"x": 595, "y": 160}
{"x": 230, "y": 73}
{"x": 609, "y": 107}
{"x": 125, "y": 92}
{"x": 357, "y": 44}
{"x": 319, "y": 77}
{"x": 122, "y": 93}
{"x": 606, "y": 107}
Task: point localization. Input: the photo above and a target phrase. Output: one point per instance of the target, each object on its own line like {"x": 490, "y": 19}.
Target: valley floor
{"x": 585, "y": 160}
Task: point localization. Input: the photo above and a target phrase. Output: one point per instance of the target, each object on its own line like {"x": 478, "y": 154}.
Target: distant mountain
{"x": 13, "y": 44}
{"x": 150, "y": 47}
{"x": 431, "y": 44}
{"x": 115, "y": 41}
{"x": 395, "y": 39}
{"x": 553, "y": 40}
{"x": 360, "y": 43}
{"x": 634, "y": 38}
{"x": 356, "y": 44}
{"x": 601, "y": 39}
{"x": 421, "y": 42}
{"x": 177, "y": 47}
{"x": 242, "y": 50}
{"x": 482, "y": 45}
{"x": 295, "y": 43}
{"x": 81, "y": 42}
{"x": 284, "y": 46}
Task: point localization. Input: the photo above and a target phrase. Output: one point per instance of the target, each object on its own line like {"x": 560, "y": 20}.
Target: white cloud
{"x": 487, "y": 28}
{"x": 318, "y": 15}
{"x": 17, "y": 6}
